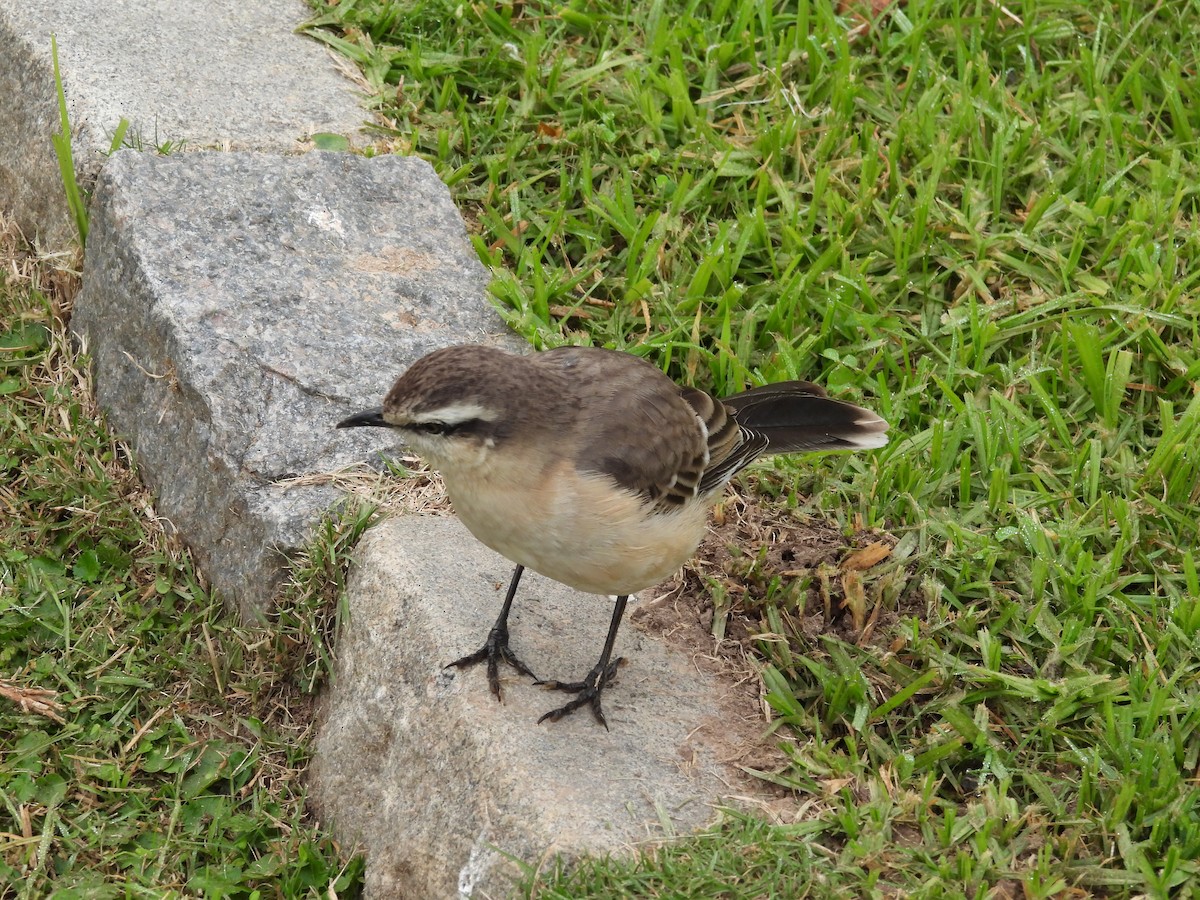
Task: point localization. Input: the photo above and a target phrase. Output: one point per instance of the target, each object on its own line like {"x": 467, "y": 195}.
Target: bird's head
{"x": 452, "y": 407}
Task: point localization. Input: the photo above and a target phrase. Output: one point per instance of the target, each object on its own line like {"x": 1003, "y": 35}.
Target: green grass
{"x": 162, "y": 751}
{"x": 979, "y": 219}
{"x": 66, "y": 160}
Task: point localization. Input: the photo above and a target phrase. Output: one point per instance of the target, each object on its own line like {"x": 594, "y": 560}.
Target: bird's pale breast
{"x": 579, "y": 529}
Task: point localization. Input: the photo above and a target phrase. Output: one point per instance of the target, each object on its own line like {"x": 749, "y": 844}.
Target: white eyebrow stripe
{"x": 454, "y": 414}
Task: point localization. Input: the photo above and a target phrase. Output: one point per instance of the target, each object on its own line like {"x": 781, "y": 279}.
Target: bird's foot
{"x": 589, "y": 691}
{"x": 494, "y": 650}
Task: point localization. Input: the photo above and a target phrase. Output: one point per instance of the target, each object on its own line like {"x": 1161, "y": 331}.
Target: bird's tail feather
{"x": 797, "y": 415}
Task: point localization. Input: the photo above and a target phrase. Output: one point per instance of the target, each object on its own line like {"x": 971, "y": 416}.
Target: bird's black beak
{"x": 366, "y": 417}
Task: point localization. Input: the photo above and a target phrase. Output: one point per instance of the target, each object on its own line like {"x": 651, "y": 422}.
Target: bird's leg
{"x": 495, "y": 648}
{"x": 592, "y": 686}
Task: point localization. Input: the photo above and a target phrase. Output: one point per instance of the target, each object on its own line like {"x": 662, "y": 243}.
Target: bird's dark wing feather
{"x": 795, "y": 416}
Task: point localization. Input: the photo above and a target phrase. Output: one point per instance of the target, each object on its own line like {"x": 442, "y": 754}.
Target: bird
{"x": 593, "y": 468}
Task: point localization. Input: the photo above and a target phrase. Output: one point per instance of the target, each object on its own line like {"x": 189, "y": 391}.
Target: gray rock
{"x": 438, "y": 782}
{"x": 184, "y": 72}
{"x": 237, "y": 305}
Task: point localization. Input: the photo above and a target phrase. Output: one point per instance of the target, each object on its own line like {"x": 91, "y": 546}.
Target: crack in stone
{"x": 306, "y": 389}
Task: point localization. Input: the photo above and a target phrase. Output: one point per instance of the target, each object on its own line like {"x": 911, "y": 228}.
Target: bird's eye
{"x": 433, "y": 427}
{"x": 447, "y": 428}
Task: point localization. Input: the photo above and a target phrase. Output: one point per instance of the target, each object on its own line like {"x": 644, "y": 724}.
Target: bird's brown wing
{"x": 670, "y": 444}
{"x": 635, "y": 424}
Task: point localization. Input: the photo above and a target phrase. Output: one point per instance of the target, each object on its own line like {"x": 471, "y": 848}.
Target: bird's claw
{"x": 494, "y": 650}
{"x": 589, "y": 691}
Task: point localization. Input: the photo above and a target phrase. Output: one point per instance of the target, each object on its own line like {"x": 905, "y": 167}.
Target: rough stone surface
{"x": 237, "y": 305}
{"x": 190, "y": 72}
{"x": 437, "y": 781}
